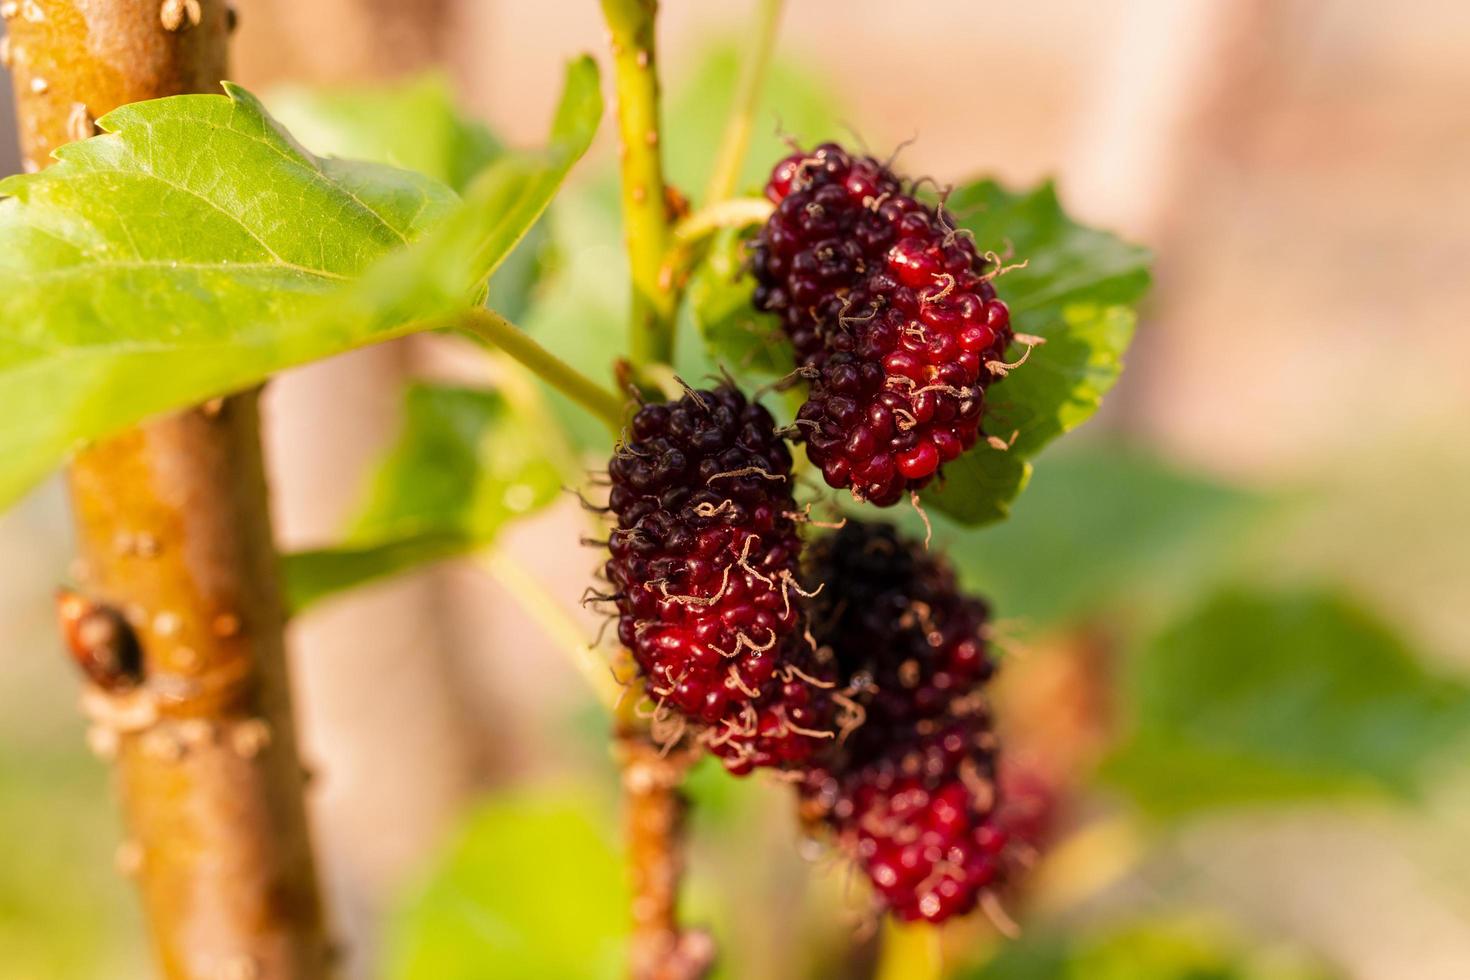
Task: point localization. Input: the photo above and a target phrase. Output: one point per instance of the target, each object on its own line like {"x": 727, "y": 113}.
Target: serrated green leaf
{"x": 414, "y": 124}
{"x": 1077, "y": 290}
{"x": 196, "y": 249}
{"x": 532, "y": 888}
{"x": 1260, "y": 698}
{"x": 463, "y": 466}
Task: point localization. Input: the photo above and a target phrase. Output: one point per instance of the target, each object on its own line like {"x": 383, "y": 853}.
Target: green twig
{"x": 736, "y": 139}
{"x": 496, "y": 330}
{"x": 559, "y": 627}
{"x": 909, "y": 952}
{"x": 645, "y": 217}
{"x": 734, "y": 213}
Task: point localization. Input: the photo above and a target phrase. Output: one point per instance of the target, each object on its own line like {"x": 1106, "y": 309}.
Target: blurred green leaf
{"x": 463, "y": 466}
{"x": 1077, "y": 291}
{"x": 1260, "y": 698}
{"x": 796, "y": 103}
{"x": 1099, "y": 523}
{"x": 197, "y": 249}
{"x": 64, "y": 910}
{"x": 533, "y": 888}
{"x": 1169, "y": 949}
{"x": 747, "y": 342}
{"x": 1102, "y": 525}
{"x": 413, "y": 124}
{"x": 581, "y": 308}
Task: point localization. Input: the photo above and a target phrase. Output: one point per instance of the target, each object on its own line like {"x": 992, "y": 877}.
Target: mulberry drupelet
{"x": 893, "y": 314}
{"x": 704, "y": 561}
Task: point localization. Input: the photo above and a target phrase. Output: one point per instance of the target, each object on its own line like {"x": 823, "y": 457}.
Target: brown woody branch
{"x": 654, "y": 820}
{"x": 176, "y": 541}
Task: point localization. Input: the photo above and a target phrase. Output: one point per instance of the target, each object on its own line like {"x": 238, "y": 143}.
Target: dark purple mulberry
{"x": 910, "y": 793}
{"x": 704, "y": 561}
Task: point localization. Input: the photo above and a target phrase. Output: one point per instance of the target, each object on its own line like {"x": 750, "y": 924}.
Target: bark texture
{"x": 654, "y": 819}
{"x": 175, "y": 536}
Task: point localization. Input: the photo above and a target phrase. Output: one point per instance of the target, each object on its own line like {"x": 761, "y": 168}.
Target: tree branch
{"x": 654, "y": 819}
{"x": 176, "y": 539}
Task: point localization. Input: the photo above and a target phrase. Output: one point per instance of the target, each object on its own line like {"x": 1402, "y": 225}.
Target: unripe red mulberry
{"x": 910, "y": 793}
{"x": 703, "y": 561}
{"x": 894, "y": 312}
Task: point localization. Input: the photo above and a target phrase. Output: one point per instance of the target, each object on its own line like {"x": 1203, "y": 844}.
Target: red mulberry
{"x": 891, "y": 309}
{"x": 704, "y": 561}
{"x": 911, "y": 792}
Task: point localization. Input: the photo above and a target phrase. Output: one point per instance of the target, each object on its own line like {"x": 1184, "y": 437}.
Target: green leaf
{"x": 1259, "y": 698}
{"x": 1077, "y": 291}
{"x": 1100, "y": 524}
{"x": 532, "y": 888}
{"x": 1165, "y": 949}
{"x": 196, "y": 249}
{"x": 413, "y": 124}
{"x": 747, "y": 342}
{"x": 796, "y": 103}
{"x": 463, "y": 467}
{"x": 416, "y": 125}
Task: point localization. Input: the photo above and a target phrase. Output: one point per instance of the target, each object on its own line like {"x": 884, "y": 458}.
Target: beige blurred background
{"x": 1302, "y": 170}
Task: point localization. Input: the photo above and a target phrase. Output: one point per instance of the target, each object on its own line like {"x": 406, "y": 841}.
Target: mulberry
{"x": 703, "y": 562}
{"x": 893, "y": 314}
{"x": 911, "y": 792}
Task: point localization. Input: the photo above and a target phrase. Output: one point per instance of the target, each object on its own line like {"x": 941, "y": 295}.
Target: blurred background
{"x": 1276, "y": 492}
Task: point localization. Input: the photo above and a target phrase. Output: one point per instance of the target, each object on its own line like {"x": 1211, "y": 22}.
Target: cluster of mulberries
{"x": 892, "y": 312}
{"x": 863, "y": 683}
{"x": 704, "y": 563}
{"x": 911, "y": 793}
{"x": 855, "y": 667}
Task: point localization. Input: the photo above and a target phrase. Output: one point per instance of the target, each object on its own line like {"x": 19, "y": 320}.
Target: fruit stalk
{"x": 645, "y": 215}
{"x": 909, "y": 952}
{"x": 654, "y": 819}
{"x": 177, "y": 561}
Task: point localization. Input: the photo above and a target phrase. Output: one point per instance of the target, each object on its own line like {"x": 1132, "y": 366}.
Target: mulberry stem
{"x": 909, "y": 952}
{"x": 645, "y": 217}
{"x": 496, "y": 330}
{"x": 736, "y": 212}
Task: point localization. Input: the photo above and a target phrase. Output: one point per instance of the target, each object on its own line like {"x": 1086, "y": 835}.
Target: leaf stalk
{"x": 495, "y": 330}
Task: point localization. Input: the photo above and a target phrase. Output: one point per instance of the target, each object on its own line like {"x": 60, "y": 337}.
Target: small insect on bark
{"x": 100, "y": 641}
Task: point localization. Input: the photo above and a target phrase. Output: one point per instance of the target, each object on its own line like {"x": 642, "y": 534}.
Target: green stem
{"x": 736, "y": 138}
{"x": 733, "y": 213}
{"x": 496, "y": 330}
{"x": 909, "y": 952}
{"x": 645, "y": 217}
